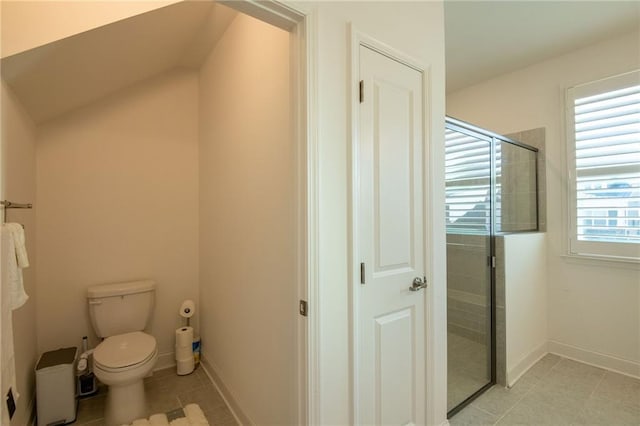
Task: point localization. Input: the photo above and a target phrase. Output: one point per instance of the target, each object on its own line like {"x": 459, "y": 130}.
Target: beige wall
{"x": 49, "y": 21}
{"x": 593, "y": 306}
{"x": 117, "y": 200}
{"x": 247, "y": 225}
{"x": 18, "y": 185}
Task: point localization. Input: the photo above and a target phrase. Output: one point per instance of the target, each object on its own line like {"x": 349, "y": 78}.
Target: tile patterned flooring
{"x": 468, "y": 368}
{"x": 555, "y": 391}
{"x": 558, "y": 391}
{"x": 166, "y": 393}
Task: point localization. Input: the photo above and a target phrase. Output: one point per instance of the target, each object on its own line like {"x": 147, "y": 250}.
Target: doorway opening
{"x": 129, "y": 192}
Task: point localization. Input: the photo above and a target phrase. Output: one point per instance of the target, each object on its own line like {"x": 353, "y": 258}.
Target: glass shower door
{"x": 469, "y": 204}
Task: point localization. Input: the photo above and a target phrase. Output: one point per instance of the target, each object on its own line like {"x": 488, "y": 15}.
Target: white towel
{"x": 159, "y": 420}
{"x": 17, "y": 232}
{"x": 13, "y": 250}
{"x": 194, "y": 413}
{"x": 194, "y": 417}
{"x": 12, "y": 297}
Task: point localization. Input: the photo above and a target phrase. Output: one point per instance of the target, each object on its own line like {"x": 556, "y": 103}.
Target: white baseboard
{"x": 608, "y": 362}
{"x": 525, "y": 364}
{"x": 165, "y": 360}
{"x": 231, "y": 401}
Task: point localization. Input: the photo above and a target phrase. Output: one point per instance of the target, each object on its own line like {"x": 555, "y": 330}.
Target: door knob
{"x": 418, "y": 283}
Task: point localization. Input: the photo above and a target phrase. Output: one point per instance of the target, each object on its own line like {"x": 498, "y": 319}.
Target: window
{"x": 468, "y": 183}
{"x": 603, "y": 134}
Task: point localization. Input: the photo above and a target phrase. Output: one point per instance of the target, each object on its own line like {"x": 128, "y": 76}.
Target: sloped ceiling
{"x": 484, "y": 39}
{"x": 61, "y": 76}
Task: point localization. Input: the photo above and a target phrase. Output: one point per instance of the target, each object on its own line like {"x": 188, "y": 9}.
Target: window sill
{"x": 604, "y": 261}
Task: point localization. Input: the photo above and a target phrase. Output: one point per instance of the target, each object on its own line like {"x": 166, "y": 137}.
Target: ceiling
{"x": 484, "y": 39}
{"x": 61, "y": 76}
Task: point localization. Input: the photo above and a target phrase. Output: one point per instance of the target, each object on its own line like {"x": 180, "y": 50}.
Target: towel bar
{"x": 11, "y": 205}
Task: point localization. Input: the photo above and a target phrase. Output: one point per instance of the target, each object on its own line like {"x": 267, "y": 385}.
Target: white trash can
{"x": 56, "y": 387}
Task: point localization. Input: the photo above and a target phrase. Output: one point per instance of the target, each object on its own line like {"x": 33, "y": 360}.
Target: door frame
{"x": 357, "y": 39}
{"x": 302, "y": 28}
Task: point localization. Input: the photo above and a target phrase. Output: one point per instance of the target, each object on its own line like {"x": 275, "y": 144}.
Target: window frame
{"x": 616, "y": 251}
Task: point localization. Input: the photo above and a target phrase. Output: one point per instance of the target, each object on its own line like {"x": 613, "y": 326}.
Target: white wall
{"x": 247, "y": 222}
{"x": 18, "y": 185}
{"x": 525, "y": 276}
{"x": 415, "y": 28}
{"x": 593, "y": 306}
{"x": 117, "y": 200}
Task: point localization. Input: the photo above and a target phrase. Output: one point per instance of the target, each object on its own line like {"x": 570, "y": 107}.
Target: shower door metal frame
{"x": 493, "y": 139}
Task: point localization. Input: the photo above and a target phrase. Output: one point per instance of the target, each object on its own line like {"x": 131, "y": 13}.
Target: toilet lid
{"x": 125, "y": 350}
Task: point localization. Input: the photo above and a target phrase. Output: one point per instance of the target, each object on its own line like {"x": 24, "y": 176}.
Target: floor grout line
{"x": 482, "y": 409}
{"x": 512, "y": 407}
{"x": 597, "y": 386}
{"x": 524, "y": 395}
{"x": 538, "y": 386}
{"x": 171, "y": 393}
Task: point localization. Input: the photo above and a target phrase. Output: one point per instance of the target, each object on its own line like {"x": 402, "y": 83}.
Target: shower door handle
{"x": 418, "y": 283}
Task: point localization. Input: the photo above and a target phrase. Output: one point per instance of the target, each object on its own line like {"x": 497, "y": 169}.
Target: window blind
{"x": 467, "y": 177}
{"x": 607, "y": 166}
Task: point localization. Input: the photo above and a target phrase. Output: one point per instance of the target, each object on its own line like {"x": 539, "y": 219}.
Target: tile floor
{"x": 555, "y": 391}
{"x": 468, "y": 368}
{"x": 166, "y": 393}
{"x": 558, "y": 391}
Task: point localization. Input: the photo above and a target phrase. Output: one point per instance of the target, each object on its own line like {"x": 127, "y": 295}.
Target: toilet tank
{"x": 121, "y": 307}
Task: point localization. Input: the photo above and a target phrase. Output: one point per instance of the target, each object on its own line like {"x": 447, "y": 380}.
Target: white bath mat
{"x": 193, "y": 417}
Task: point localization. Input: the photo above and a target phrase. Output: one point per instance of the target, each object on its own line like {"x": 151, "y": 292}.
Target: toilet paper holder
{"x": 187, "y": 309}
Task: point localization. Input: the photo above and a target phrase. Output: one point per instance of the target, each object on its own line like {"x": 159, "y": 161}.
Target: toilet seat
{"x": 124, "y": 351}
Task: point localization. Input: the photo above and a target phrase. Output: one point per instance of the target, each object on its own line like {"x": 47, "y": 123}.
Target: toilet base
{"x": 125, "y": 404}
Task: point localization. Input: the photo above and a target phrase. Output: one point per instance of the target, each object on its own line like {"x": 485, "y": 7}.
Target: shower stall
{"x": 491, "y": 190}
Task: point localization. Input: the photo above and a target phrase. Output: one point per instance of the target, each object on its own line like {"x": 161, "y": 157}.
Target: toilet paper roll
{"x": 183, "y": 353}
{"x": 185, "y": 366}
{"x": 187, "y": 309}
{"x": 184, "y": 337}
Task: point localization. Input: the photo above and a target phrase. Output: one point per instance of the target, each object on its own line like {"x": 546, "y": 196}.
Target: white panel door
{"x": 390, "y": 329}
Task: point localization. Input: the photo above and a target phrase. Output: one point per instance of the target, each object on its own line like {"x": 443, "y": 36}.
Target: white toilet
{"x": 119, "y": 314}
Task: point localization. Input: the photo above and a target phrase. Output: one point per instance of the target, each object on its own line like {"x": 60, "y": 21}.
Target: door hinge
{"x": 303, "y": 308}
{"x": 361, "y": 90}
{"x": 11, "y": 404}
{"x": 362, "y": 274}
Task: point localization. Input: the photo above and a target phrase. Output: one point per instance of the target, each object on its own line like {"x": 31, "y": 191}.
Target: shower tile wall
{"x": 467, "y": 286}
{"x": 536, "y": 139}
{"x": 468, "y": 351}
{"x": 516, "y": 209}
{"x": 467, "y": 304}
